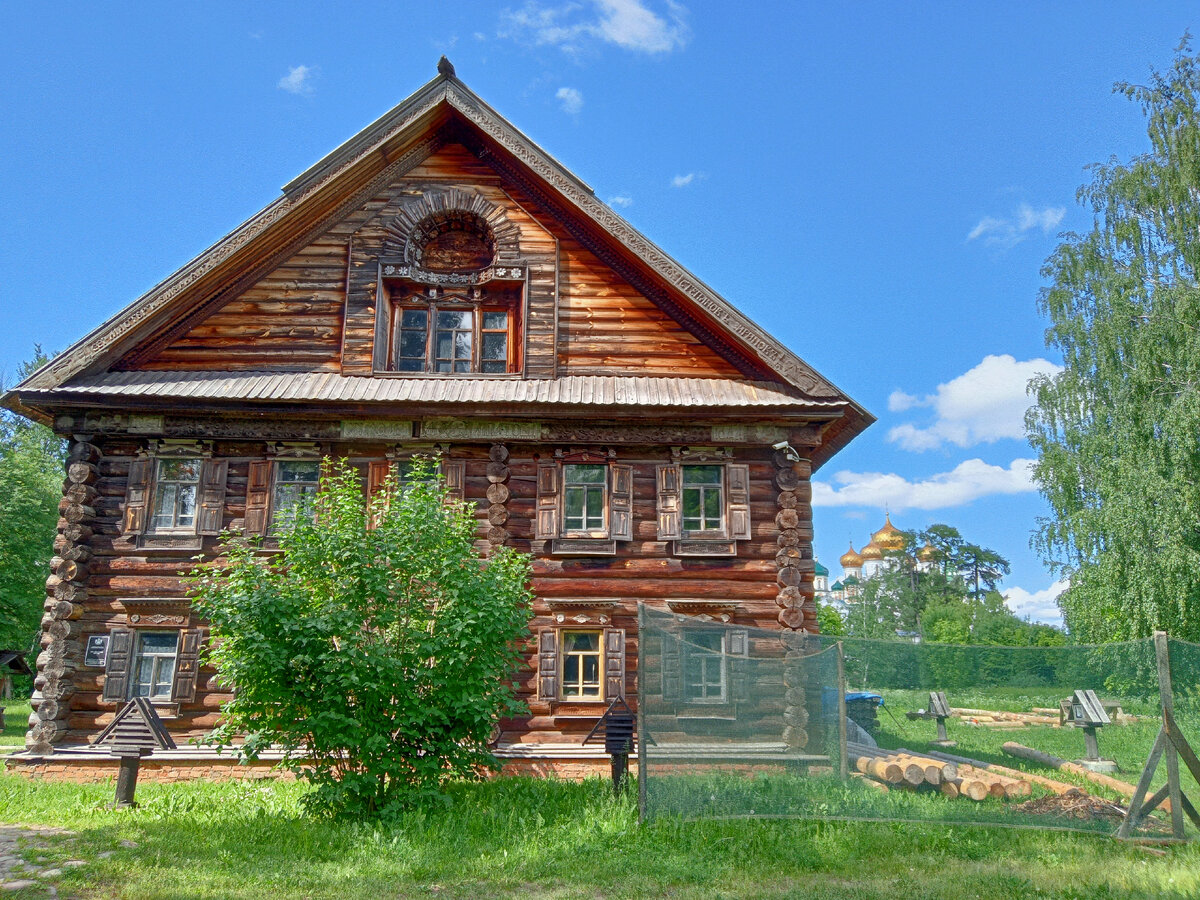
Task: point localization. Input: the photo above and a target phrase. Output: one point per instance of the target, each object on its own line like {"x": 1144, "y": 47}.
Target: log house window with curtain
{"x": 703, "y": 507}
{"x": 584, "y": 504}
{"x": 581, "y": 664}
{"x": 175, "y": 495}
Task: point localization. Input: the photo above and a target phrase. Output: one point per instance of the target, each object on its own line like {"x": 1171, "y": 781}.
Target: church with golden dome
{"x": 860, "y": 566}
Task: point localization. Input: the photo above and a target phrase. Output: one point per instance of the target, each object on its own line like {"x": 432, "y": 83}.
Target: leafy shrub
{"x": 378, "y": 658}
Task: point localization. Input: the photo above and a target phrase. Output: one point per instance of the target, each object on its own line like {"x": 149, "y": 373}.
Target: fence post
{"x": 641, "y": 713}
{"x": 844, "y": 762}
{"x": 1163, "y": 659}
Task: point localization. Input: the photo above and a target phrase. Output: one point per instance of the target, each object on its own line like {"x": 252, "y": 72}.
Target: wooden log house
{"x": 436, "y": 284}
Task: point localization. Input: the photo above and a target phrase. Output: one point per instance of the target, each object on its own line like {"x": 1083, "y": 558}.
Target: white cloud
{"x": 983, "y": 405}
{"x": 627, "y": 23}
{"x": 1011, "y": 231}
{"x": 1040, "y": 606}
{"x": 968, "y": 481}
{"x": 298, "y": 80}
{"x": 898, "y": 401}
{"x": 683, "y": 180}
{"x": 570, "y": 98}
{"x": 620, "y": 201}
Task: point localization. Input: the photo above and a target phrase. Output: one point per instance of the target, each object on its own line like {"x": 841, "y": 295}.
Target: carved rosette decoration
{"x": 497, "y": 495}
{"x": 452, "y": 230}
{"x": 66, "y": 590}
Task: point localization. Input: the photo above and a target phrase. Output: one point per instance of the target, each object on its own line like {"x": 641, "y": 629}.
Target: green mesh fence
{"x": 744, "y": 722}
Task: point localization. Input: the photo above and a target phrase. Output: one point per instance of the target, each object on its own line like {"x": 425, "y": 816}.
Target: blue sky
{"x": 877, "y": 184}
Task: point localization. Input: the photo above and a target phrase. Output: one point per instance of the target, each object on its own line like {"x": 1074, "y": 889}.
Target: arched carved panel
{"x": 452, "y": 230}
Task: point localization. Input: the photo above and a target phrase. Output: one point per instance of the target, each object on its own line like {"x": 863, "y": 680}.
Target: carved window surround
{"x": 583, "y": 610}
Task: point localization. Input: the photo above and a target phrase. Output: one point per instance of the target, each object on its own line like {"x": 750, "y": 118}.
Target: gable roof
{"x": 329, "y": 189}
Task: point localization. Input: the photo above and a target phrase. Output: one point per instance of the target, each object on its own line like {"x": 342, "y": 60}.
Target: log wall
{"x": 316, "y": 312}
{"x": 101, "y": 576}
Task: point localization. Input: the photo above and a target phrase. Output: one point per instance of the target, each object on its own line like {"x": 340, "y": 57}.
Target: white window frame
{"x": 139, "y": 654}
{"x": 156, "y": 492}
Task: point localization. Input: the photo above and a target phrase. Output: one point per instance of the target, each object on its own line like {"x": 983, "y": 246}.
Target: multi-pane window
{"x": 584, "y": 490}
{"x": 175, "y": 495}
{"x": 449, "y": 338}
{"x": 704, "y": 667}
{"x": 581, "y": 660}
{"x": 296, "y": 482}
{"x": 154, "y": 664}
{"x": 703, "y": 492}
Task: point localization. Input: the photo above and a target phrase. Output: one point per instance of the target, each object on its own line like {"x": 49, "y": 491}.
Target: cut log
{"x": 1053, "y": 762}
{"x": 1058, "y": 787}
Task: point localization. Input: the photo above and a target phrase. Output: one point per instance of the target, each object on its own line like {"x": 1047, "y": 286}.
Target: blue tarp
{"x": 864, "y": 695}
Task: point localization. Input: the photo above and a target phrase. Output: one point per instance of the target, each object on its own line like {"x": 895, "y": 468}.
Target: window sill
{"x": 583, "y": 547}
{"x": 705, "y": 547}
{"x": 170, "y": 542}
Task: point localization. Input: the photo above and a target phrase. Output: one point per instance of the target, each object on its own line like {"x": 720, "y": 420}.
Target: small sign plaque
{"x": 96, "y": 654}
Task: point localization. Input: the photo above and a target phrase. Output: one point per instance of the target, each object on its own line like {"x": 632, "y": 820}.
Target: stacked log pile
{"x": 906, "y": 769}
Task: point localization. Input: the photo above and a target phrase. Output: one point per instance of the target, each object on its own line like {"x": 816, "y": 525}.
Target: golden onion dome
{"x": 850, "y": 559}
{"x": 928, "y": 553}
{"x": 889, "y": 537}
{"x": 872, "y": 551}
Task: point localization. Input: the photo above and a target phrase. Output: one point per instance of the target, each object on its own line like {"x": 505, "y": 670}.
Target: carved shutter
{"x": 738, "y": 662}
{"x": 187, "y": 665}
{"x": 738, "y": 480}
{"x": 116, "y": 673}
{"x": 378, "y": 472}
{"x": 614, "y": 663}
{"x": 669, "y": 523}
{"x": 258, "y": 496}
{"x": 546, "y": 525}
{"x": 622, "y": 503}
{"x": 455, "y": 473}
{"x": 137, "y": 495}
{"x": 548, "y": 664}
{"x": 672, "y": 672}
{"x": 212, "y": 496}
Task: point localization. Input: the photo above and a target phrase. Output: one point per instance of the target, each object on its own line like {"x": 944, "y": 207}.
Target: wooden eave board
{"x": 316, "y": 192}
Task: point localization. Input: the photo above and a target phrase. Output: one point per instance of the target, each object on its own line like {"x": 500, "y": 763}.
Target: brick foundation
{"x": 93, "y": 771}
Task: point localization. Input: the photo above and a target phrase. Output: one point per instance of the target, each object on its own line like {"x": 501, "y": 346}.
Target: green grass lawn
{"x": 16, "y": 723}
{"x": 546, "y": 838}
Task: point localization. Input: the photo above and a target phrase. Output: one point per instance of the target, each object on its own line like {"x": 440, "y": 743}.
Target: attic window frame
{"x": 465, "y": 291}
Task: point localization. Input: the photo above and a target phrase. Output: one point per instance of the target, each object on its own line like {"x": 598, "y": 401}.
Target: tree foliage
{"x": 31, "y": 476}
{"x": 947, "y": 597}
{"x": 1116, "y": 430}
{"x": 378, "y": 658}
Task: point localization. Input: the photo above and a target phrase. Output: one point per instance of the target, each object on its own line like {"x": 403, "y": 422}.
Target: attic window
{"x": 471, "y": 331}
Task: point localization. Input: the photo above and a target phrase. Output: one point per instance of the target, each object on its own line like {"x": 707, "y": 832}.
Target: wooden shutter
{"x": 455, "y": 473}
{"x": 213, "y": 473}
{"x": 116, "y": 673}
{"x": 737, "y": 477}
{"x": 546, "y": 525}
{"x": 187, "y": 665}
{"x": 738, "y": 663}
{"x": 621, "y": 504}
{"x": 378, "y": 472}
{"x": 137, "y": 495}
{"x": 614, "y": 663}
{"x": 672, "y": 667}
{"x": 258, "y": 496}
{"x": 670, "y": 526}
{"x": 548, "y": 664}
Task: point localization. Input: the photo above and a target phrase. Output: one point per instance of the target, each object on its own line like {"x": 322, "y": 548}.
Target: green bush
{"x": 378, "y": 658}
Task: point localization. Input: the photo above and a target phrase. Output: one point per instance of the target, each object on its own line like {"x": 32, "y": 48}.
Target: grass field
{"x": 16, "y": 722}
{"x": 544, "y": 838}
